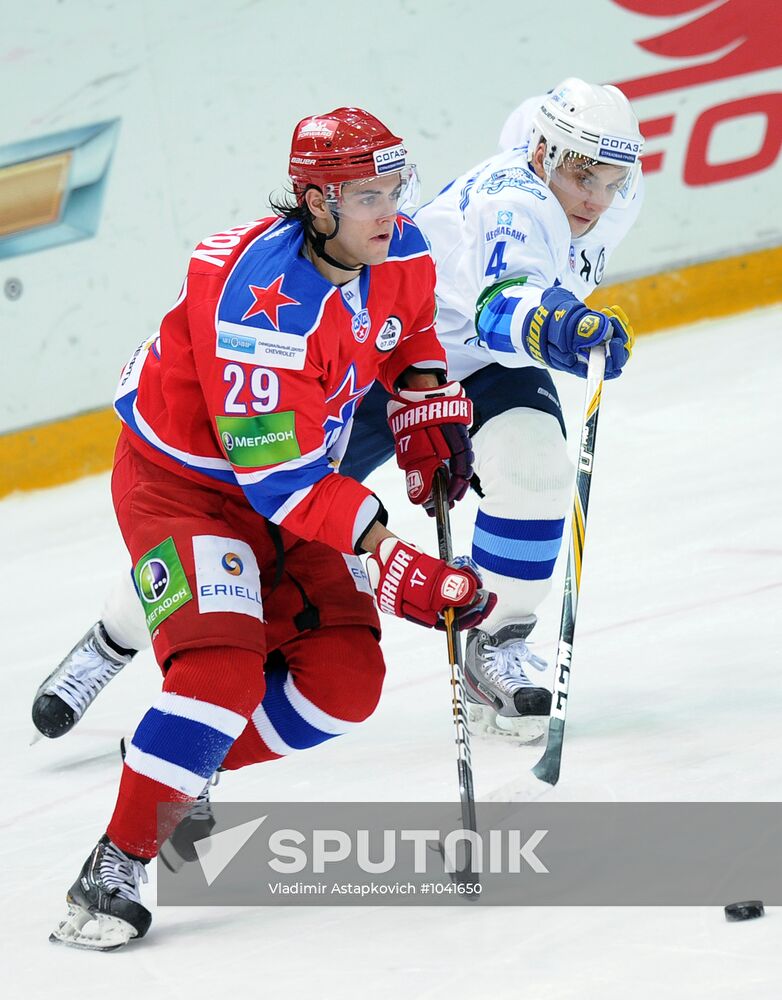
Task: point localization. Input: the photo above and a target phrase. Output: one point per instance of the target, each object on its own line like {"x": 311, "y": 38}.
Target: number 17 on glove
{"x": 410, "y": 584}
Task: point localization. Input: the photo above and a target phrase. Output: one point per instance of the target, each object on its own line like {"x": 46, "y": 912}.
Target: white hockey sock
{"x": 123, "y": 616}
{"x": 526, "y": 478}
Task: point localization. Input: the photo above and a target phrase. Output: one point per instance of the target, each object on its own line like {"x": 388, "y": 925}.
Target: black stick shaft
{"x": 458, "y": 695}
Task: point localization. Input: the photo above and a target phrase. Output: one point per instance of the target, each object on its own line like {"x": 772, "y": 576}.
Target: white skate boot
{"x": 71, "y": 688}
{"x": 502, "y": 699}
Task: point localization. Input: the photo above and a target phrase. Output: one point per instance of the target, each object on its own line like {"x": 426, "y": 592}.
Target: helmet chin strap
{"x": 318, "y": 240}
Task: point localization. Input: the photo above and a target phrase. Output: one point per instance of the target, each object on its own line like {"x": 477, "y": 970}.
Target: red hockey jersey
{"x": 253, "y": 380}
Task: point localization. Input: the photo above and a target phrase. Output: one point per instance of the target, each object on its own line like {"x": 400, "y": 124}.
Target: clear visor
{"x": 599, "y": 185}
{"x": 375, "y": 197}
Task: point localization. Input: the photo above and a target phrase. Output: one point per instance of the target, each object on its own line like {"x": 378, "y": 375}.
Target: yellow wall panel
{"x": 58, "y": 452}
{"x": 703, "y": 291}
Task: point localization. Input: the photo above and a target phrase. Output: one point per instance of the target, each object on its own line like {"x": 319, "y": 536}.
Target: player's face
{"x": 585, "y": 191}
{"x": 367, "y": 212}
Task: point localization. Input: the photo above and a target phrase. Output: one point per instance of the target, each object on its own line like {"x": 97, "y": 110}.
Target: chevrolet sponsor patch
{"x": 269, "y": 348}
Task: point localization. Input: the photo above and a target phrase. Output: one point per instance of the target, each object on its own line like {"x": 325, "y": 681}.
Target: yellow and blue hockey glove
{"x": 560, "y": 332}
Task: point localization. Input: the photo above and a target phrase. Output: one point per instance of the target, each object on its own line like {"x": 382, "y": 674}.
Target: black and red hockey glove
{"x": 410, "y": 584}
{"x": 430, "y": 428}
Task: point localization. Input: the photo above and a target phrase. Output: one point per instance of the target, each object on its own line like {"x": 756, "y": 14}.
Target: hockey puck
{"x": 744, "y": 911}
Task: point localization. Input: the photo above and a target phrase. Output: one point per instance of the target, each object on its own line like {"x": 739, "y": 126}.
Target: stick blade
{"x": 547, "y": 768}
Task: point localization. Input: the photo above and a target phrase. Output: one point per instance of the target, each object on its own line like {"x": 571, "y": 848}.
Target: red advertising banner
{"x": 733, "y": 39}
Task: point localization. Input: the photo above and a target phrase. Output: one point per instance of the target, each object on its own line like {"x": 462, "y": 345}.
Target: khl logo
{"x": 361, "y": 325}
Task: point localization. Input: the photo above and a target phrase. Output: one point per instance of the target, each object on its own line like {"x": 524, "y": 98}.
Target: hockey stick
{"x": 458, "y": 695}
{"x": 548, "y": 767}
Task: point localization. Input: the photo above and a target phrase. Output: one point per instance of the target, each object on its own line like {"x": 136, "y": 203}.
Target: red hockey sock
{"x": 207, "y": 697}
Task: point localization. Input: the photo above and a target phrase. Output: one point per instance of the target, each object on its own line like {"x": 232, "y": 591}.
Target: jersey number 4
{"x": 264, "y": 387}
{"x": 496, "y": 264}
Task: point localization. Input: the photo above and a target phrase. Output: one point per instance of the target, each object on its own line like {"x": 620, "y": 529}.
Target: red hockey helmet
{"x": 346, "y": 144}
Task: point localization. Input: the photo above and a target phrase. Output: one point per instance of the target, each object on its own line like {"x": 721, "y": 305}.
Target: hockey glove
{"x": 430, "y": 427}
{"x": 410, "y": 584}
{"x": 561, "y": 330}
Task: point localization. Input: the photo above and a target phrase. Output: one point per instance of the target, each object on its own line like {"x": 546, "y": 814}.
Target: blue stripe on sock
{"x": 192, "y": 745}
{"x": 518, "y": 569}
{"x": 509, "y": 527}
{"x": 518, "y": 549}
{"x": 290, "y": 726}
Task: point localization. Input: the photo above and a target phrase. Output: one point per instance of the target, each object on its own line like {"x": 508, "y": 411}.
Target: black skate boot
{"x": 503, "y": 700}
{"x": 71, "y": 688}
{"x": 104, "y": 908}
{"x": 180, "y": 849}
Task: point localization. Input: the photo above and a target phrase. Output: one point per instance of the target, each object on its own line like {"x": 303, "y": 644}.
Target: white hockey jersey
{"x": 499, "y": 223}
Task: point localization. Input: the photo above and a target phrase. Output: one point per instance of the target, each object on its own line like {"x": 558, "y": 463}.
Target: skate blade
{"x": 526, "y": 729}
{"x": 108, "y": 934}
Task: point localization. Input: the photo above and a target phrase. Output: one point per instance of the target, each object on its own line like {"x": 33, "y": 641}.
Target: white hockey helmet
{"x": 589, "y": 122}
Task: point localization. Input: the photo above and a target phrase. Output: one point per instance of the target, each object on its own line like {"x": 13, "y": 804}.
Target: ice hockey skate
{"x": 502, "y": 699}
{"x": 197, "y": 825}
{"x": 104, "y": 908}
{"x": 71, "y": 688}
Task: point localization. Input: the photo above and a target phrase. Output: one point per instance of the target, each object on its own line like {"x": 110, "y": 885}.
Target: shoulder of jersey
{"x": 507, "y": 195}
{"x": 271, "y": 287}
{"x": 407, "y": 240}
{"x": 508, "y": 175}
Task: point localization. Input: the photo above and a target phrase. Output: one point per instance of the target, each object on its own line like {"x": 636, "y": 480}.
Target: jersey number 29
{"x": 264, "y": 386}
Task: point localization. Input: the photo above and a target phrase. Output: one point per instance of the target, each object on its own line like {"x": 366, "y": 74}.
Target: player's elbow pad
{"x": 495, "y": 322}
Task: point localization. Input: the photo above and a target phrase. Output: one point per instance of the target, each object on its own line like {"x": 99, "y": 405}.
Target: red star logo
{"x": 344, "y": 399}
{"x": 401, "y": 222}
{"x": 269, "y": 301}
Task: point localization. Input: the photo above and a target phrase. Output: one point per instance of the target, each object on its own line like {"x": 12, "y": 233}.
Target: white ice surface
{"x": 675, "y": 695}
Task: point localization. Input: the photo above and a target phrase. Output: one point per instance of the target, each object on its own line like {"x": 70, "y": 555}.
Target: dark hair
{"x": 288, "y": 207}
